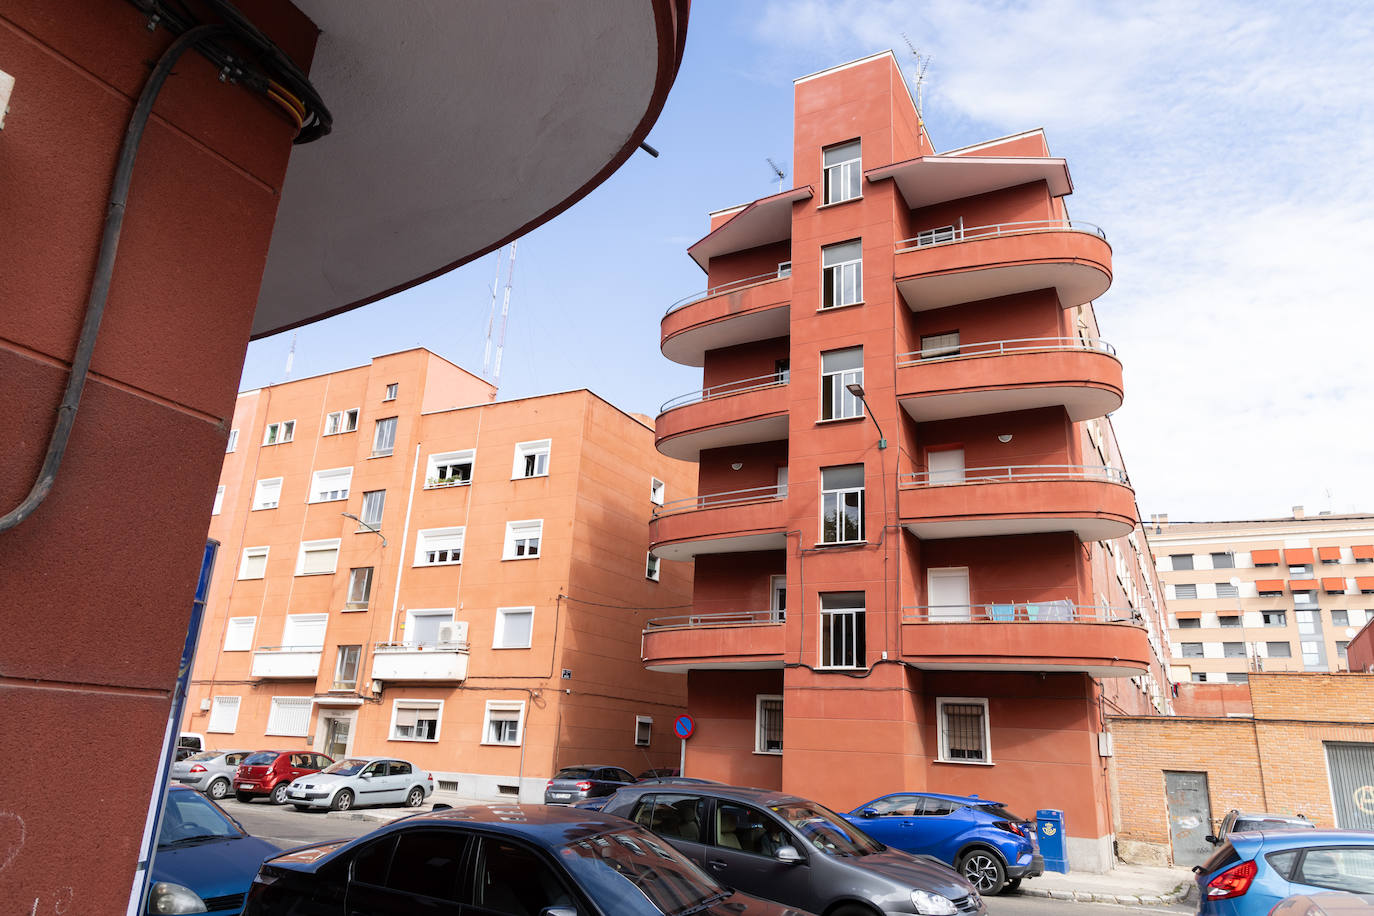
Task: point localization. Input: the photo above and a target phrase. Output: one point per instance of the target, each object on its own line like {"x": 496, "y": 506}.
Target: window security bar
{"x": 999, "y": 347}
{"x": 1017, "y": 473}
{"x": 718, "y": 619}
{"x": 716, "y": 500}
{"x": 734, "y": 285}
{"x": 1022, "y": 612}
{"x": 725, "y": 389}
{"x": 998, "y": 229}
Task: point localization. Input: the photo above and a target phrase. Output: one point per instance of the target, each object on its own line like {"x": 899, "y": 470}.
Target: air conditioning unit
{"x": 448, "y": 633}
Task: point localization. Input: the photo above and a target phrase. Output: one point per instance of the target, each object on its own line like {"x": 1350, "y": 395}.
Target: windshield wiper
{"x": 199, "y": 838}
{"x": 708, "y": 902}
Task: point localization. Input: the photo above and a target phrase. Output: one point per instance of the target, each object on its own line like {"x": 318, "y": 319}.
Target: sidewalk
{"x": 1133, "y": 885}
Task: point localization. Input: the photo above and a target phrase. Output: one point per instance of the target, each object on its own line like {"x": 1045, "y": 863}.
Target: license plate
{"x": 560, "y": 795}
{"x": 245, "y": 785}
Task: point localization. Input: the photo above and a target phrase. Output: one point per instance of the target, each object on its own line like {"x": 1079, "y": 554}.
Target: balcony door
{"x": 946, "y": 465}
{"x": 947, "y": 593}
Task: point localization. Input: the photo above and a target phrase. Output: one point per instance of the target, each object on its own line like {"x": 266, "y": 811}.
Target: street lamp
{"x": 376, "y": 531}
{"x": 857, "y": 390}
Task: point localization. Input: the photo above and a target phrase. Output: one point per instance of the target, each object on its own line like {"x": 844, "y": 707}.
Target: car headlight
{"x": 929, "y": 904}
{"x": 173, "y": 898}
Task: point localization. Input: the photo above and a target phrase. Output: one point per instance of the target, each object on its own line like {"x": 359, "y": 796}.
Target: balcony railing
{"x": 1061, "y": 611}
{"x": 1016, "y": 473}
{"x": 725, "y": 389}
{"x": 444, "y": 662}
{"x": 732, "y": 286}
{"x": 953, "y": 236}
{"x": 383, "y": 648}
{"x": 1001, "y": 347}
{"x": 717, "y": 500}
{"x": 718, "y": 619}
{"x": 286, "y": 661}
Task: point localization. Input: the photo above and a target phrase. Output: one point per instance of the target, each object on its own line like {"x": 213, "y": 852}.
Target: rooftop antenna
{"x": 922, "y": 62}
{"x": 291, "y": 356}
{"x": 776, "y": 171}
{"x": 491, "y": 367}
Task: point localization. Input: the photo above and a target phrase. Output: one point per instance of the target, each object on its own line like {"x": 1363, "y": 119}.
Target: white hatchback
{"x": 356, "y": 781}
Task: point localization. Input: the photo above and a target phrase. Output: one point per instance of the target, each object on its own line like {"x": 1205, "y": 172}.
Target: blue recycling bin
{"x": 1049, "y": 830}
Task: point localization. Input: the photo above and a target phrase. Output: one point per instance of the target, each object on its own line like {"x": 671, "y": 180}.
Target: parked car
{"x": 657, "y": 773}
{"x": 204, "y": 860}
{"x": 1251, "y": 872}
{"x": 270, "y": 772}
{"x": 987, "y": 844}
{"x": 572, "y": 784}
{"x": 1244, "y": 822}
{"x": 358, "y": 781}
{"x": 517, "y": 859}
{"x": 188, "y": 743}
{"x": 1336, "y": 903}
{"x": 212, "y": 772}
{"x": 596, "y": 803}
{"x": 797, "y": 852}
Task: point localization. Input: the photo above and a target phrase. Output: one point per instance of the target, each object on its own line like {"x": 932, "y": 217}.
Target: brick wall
{"x": 1313, "y": 697}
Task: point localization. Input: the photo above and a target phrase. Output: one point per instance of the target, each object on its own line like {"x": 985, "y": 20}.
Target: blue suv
{"x": 1252, "y": 872}
{"x": 991, "y": 847}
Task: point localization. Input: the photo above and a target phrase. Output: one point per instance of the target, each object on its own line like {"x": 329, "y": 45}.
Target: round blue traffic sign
{"x": 684, "y": 726}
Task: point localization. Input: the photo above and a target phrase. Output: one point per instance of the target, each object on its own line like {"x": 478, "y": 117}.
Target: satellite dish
{"x": 1235, "y": 580}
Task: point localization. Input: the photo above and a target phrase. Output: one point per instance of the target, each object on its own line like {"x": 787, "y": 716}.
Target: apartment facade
{"x": 408, "y": 569}
{"x": 1285, "y": 594}
{"x": 918, "y": 563}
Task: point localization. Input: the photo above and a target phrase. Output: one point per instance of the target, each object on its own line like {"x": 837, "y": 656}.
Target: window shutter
{"x": 238, "y": 635}
{"x": 320, "y": 560}
{"x": 305, "y": 631}
{"x": 224, "y": 714}
{"x": 289, "y": 716}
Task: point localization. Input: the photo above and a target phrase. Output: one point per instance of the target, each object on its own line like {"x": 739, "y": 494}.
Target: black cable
{"x": 104, "y": 269}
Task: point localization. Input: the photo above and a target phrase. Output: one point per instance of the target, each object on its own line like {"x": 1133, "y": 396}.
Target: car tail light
{"x": 197, "y": 769}
{"x": 1010, "y": 827}
{"x": 430, "y": 777}
{"x": 550, "y": 785}
{"x": 1233, "y": 882}
{"x": 584, "y": 785}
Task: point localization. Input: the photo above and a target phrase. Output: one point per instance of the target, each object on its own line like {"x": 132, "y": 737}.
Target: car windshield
{"x": 189, "y": 817}
{"x": 260, "y": 758}
{"x": 575, "y": 773}
{"x": 203, "y": 755}
{"x": 826, "y": 831}
{"x": 347, "y": 767}
{"x": 622, "y": 865}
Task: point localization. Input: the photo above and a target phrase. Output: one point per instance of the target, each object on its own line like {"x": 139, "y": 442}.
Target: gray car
{"x": 1242, "y": 821}
{"x": 796, "y": 852}
{"x": 212, "y": 772}
{"x": 356, "y": 781}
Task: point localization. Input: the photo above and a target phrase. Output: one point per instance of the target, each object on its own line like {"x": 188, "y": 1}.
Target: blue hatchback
{"x": 1251, "y": 872}
{"x": 991, "y": 847}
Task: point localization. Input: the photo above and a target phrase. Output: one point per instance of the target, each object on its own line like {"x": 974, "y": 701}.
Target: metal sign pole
{"x": 682, "y": 764}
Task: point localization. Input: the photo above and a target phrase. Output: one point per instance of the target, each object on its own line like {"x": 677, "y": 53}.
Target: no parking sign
{"x": 684, "y": 726}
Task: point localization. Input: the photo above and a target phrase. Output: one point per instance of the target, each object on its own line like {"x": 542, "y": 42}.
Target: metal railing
{"x": 289, "y": 649}
{"x": 732, "y": 286}
{"x": 716, "y": 500}
{"x": 1016, "y": 472}
{"x": 970, "y": 233}
{"x": 717, "y": 619}
{"x": 1001, "y": 347}
{"x": 725, "y": 389}
{"x": 1060, "y": 611}
{"x": 396, "y": 648}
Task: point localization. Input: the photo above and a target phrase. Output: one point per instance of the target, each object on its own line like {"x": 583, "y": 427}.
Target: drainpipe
{"x": 405, "y": 536}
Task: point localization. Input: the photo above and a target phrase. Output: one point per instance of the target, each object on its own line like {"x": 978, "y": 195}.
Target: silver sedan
{"x": 356, "y": 781}
{"x": 212, "y": 772}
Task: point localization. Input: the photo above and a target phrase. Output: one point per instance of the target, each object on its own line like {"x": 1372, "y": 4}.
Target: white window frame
{"x": 446, "y": 615}
{"x": 521, "y": 531}
{"x": 835, "y": 396}
{"x": 826, "y": 618}
{"x": 279, "y": 433}
{"x": 652, "y": 566}
{"x": 516, "y": 706}
{"x": 447, "y": 461}
{"x": 293, "y": 620}
{"x": 938, "y": 235}
{"x": 536, "y": 449}
{"x": 839, "y": 496}
{"x": 843, "y": 176}
{"x": 376, "y": 433}
{"x": 759, "y": 700}
{"x": 253, "y": 553}
{"x": 349, "y": 603}
{"x": 391, "y": 391}
{"x": 341, "y": 421}
{"x": 233, "y": 444}
{"x": 219, "y": 501}
{"x": 339, "y": 657}
{"x": 215, "y": 711}
{"x": 834, "y": 276}
{"x": 657, "y": 491}
{"x": 258, "y": 503}
{"x": 318, "y": 546}
{"x": 943, "y": 739}
{"x": 419, "y": 703}
{"x": 323, "y": 485}
{"x": 234, "y": 632}
{"x": 364, "y": 523}
{"x": 498, "y": 633}
{"x": 424, "y": 539}
{"x": 644, "y": 720}
{"x": 276, "y": 711}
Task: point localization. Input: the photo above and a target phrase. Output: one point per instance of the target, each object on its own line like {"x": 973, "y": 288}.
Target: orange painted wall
{"x": 746, "y": 361}
{"x": 722, "y": 747}
{"x": 736, "y": 581}
{"x": 752, "y": 262}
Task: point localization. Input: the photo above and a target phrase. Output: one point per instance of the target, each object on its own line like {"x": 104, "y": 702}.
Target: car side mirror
{"x": 364, "y": 775}
{"x": 788, "y": 855}
{"x": 868, "y": 812}
{"x": 1212, "y": 839}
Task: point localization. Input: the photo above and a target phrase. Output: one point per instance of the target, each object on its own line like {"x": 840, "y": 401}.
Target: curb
{"x": 1177, "y": 895}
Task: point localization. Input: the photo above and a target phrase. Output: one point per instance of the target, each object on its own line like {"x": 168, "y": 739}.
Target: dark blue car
{"x": 1252, "y": 872}
{"x": 991, "y": 847}
{"x": 205, "y": 860}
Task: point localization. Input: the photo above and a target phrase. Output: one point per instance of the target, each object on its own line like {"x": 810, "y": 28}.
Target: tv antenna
{"x": 492, "y": 368}
{"x": 776, "y": 171}
{"x": 922, "y": 62}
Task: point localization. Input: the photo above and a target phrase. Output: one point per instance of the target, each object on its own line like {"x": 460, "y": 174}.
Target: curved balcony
{"x": 733, "y": 639}
{"x": 1082, "y": 375}
{"x": 1094, "y": 502}
{"x": 731, "y": 522}
{"x": 939, "y": 269}
{"x": 734, "y": 413}
{"x": 754, "y": 308}
{"x": 1043, "y": 636}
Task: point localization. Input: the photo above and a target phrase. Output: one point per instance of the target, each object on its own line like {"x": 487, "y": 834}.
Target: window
{"x": 843, "y": 171}
{"x": 439, "y": 546}
{"x": 522, "y": 539}
{"x": 842, "y": 504}
{"x": 304, "y": 631}
{"x": 963, "y": 726}
{"x": 842, "y": 630}
{"x": 1233, "y": 650}
{"x": 840, "y": 368}
{"x": 644, "y": 730}
{"x": 514, "y": 628}
{"x": 933, "y": 345}
{"x": 951, "y": 233}
{"x": 1223, "y": 561}
{"x": 502, "y": 723}
{"x": 1227, "y": 590}
{"x": 531, "y": 459}
{"x": 842, "y": 274}
{"x": 374, "y": 501}
{"x": 1237, "y": 677}
{"x": 784, "y": 269}
{"x": 1185, "y": 590}
{"x": 1181, "y": 561}
{"x": 331, "y": 485}
{"x": 1342, "y": 868}
{"x": 219, "y": 501}
{"x": 673, "y": 817}
{"x": 238, "y": 634}
{"x": 384, "y": 438}
{"x": 391, "y": 391}
{"x": 1311, "y": 653}
{"x": 1274, "y": 618}
{"x": 656, "y": 491}
{"x": 341, "y": 421}
{"x": 1304, "y": 597}
{"x": 1341, "y": 646}
{"x": 1340, "y": 619}
{"x": 359, "y": 587}
{"x": 1191, "y": 649}
{"x": 277, "y": 433}
{"x": 289, "y": 716}
{"x": 346, "y": 667}
{"x": 267, "y": 494}
{"x": 782, "y": 370}
{"x": 432, "y": 627}
{"x": 450, "y": 469}
{"x": 416, "y": 720}
{"x": 318, "y": 558}
{"x": 224, "y": 714}
{"x": 767, "y": 724}
{"x": 233, "y": 444}
{"x": 254, "y": 563}
{"x": 1189, "y": 623}
{"x": 1278, "y": 649}
{"x": 1302, "y": 571}
{"x": 1231, "y": 620}
{"x": 1198, "y": 677}
{"x": 651, "y": 568}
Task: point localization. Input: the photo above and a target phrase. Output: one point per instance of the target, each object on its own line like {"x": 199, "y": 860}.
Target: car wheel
{"x": 243, "y": 796}
{"x": 343, "y": 801}
{"x": 1012, "y": 886}
{"x": 301, "y": 807}
{"x": 415, "y": 798}
{"x": 279, "y": 794}
{"x": 983, "y": 870}
{"x": 218, "y": 789}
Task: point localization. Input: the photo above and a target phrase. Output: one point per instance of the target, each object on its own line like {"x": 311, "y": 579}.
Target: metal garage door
{"x": 1190, "y": 816}
{"x": 1351, "y": 767}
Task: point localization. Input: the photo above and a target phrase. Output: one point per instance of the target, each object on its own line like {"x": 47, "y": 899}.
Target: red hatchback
{"x": 270, "y": 772}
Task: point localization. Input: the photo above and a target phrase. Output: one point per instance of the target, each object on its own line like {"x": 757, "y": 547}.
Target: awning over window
{"x": 1298, "y": 556}
{"x": 1187, "y": 615}
{"x": 1302, "y": 585}
{"x": 1363, "y": 552}
{"x": 1329, "y": 553}
{"x": 1265, "y": 557}
{"x": 1334, "y": 585}
{"x": 1365, "y": 583}
{"x": 1269, "y": 585}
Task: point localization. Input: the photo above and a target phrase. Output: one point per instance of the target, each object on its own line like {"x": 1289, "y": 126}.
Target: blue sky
{"x": 1224, "y": 148}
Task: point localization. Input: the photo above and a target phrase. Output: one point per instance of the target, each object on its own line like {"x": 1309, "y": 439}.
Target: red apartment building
{"x": 918, "y": 558}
